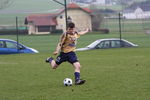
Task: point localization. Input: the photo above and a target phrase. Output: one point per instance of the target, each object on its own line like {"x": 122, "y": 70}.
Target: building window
{"x": 43, "y": 28}
{"x": 61, "y": 16}
{"x": 69, "y": 19}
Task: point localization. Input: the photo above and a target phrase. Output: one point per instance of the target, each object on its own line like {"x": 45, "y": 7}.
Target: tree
{"x": 5, "y": 3}
{"x": 97, "y": 19}
{"x": 125, "y": 3}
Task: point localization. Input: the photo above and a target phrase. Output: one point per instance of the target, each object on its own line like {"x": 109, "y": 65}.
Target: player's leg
{"x": 77, "y": 67}
{"x": 74, "y": 61}
{"x": 52, "y": 62}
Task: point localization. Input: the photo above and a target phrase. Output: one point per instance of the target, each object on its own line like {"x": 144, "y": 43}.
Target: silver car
{"x": 108, "y": 43}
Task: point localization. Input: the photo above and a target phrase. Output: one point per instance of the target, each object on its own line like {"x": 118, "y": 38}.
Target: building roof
{"x": 75, "y": 6}
{"x": 50, "y": 19}
{"x": 42, "y": 19}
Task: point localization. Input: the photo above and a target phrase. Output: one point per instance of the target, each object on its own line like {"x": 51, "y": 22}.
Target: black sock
{"x": 77, "y": 76}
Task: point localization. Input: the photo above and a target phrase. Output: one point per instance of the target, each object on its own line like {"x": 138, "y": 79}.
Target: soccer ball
{"x": 68, "y": 82}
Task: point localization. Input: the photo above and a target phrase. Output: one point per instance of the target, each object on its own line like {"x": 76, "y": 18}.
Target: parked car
{"x": 108, "y": 43}
{"x": 8, "y": 46}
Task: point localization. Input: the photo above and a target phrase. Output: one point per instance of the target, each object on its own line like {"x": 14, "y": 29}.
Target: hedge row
{"x": 13, "y": 31}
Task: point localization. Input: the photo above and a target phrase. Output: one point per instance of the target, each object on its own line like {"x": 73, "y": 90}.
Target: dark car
{"x": 108, "y": 43}
{"x": 8, "y": 46}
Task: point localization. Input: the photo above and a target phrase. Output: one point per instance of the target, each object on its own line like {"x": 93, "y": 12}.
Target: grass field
{"x": 111, "y": 74}
{"x": 127, "y": 25}
{"x": 31, "y": 6}
{"x": 22, "y": 9}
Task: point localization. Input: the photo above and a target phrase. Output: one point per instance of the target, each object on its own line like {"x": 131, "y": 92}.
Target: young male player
{"x": 66, "y": 48}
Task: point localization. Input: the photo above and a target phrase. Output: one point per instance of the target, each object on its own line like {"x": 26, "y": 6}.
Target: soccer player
{"x": 66, "y": 49}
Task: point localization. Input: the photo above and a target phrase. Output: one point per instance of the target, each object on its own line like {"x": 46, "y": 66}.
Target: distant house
{"x": 41, "y": 23}
{"x": 137, "y": 11}
{"x": 80, "y": 16}
{"x": 46, "y": 23}
{"x": 90, "y": 1}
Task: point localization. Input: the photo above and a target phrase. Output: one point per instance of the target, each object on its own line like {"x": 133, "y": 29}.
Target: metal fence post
{"x": 17, "y": 33}
{"x": 120, "y": 31}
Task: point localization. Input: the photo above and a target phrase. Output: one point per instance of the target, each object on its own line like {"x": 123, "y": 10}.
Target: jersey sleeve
{"x": 78, "y": 35}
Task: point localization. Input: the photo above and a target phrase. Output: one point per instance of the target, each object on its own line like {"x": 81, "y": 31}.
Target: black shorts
{"x": 63, "y": 57}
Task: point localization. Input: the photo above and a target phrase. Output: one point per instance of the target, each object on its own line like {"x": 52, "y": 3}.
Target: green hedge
{"x": 12, "y": 31}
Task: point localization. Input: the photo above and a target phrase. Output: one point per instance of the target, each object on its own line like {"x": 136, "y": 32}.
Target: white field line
{"x": 7, "y": 63}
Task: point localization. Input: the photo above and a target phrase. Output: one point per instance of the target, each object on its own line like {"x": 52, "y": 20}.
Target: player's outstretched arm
{"x": 57, "y": 49}
{"x": 83, "y": 32}
{"x": 59, "y": 45}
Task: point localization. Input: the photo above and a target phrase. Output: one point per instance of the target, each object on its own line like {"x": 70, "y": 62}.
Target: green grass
{"x": 23, "y": 9}
{"x": 32, "y": 5}
{"x": 127, "y": 25}
{"x": 111, "y": 74}
{"x": 10, "y": 19}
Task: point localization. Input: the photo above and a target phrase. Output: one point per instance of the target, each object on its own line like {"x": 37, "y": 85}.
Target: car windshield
{"x": 92, "y": 45}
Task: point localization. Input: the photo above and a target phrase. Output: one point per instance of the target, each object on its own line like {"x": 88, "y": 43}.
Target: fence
{"x": 41, "y": 43}
{"x": 127, "y": 25}
{"x": 8, "y": 25}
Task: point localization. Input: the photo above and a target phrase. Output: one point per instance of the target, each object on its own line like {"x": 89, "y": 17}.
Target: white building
{"x": 137, "y": 12}
{"x": 90, "y": 1}
{"x": 102, "y": 2}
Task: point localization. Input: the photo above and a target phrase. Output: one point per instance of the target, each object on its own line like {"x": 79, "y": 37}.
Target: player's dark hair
{"x": 71, "y": 25}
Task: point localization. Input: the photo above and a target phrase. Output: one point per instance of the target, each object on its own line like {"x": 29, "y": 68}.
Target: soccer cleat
{"x": 80, "y": 82}
{"x": 49, "y": 59}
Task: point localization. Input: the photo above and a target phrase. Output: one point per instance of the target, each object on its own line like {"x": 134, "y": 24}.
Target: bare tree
{"x": 5, "y": 3}
{"x": 97, "y": 19}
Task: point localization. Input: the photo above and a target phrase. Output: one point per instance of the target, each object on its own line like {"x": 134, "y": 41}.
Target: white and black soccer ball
{"x": 67, "y": 82}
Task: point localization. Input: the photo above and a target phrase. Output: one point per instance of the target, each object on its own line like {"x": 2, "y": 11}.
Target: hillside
{"x": 41, "y": 6}
{"x": 33, "y": 6}
{"x": 22, "y": 8}
{"x": 30, "y": 6}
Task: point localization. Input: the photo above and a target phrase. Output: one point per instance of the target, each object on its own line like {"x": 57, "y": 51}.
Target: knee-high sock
{"x": 77, "y": 76}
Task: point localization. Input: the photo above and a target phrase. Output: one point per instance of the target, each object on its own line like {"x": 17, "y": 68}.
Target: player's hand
{"x": 55, "y": 53}
{"x": 87, "y": 30}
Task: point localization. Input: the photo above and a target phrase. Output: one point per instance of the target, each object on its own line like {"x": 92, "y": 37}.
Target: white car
{"x": 108, "y": 43}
